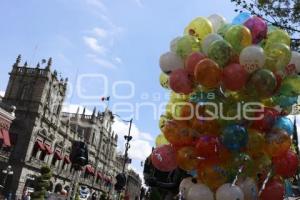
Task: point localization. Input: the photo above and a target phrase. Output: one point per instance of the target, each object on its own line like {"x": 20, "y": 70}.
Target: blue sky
{"x": 119, "y": 39}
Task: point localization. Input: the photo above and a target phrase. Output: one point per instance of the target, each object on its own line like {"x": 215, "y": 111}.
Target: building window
{"x": 43, "y": 155}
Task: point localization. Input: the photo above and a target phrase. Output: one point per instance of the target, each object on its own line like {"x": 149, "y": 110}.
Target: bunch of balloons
{"x": 232, "y": 87}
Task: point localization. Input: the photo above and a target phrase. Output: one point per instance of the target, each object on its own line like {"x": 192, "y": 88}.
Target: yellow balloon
{"x": 199, "y": 27}
{"x": 175, "y": 97}
{"x": 278, "y": 36}
{"x": 164, "y": 80}
{"x": 256, "y": 142}
{"x": 278, "y": 56}
{"x": 162, "y": 121}
{"x": 239, "y": 37}
{"x": 161, "y": 140}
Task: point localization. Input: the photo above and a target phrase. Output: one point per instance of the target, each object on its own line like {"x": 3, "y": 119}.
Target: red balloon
{"x": 192, "y": 60}
{"x": 286, "y": 165}
{"x": 164, "y": 158}
{"x": 208, "y": 146}
{"x": 234, "y": 77}
{"x": 274, "y": 190}
{"x": 181, "y": 82}
{"x": 266, "y": 119}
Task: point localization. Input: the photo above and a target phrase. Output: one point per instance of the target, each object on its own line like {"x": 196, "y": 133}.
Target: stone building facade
{"x": 133, "y": 187}
{"x": 42, "y": 134}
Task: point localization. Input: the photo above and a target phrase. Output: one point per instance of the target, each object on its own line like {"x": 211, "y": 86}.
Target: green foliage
{"x": 281, "y": 13}
{"x": 42, "y": 183}
{"x": 103, "y": 196}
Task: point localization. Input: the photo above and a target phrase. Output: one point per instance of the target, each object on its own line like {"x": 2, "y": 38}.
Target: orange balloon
{"x": 211, "y": 127}
{"x": 212, "y": 175}
{"x": 208, "y": 73}
{"x": 256, "y": 142}
{"x": 278, "y": 142}
{"x": 179, "y": 134}
{"x": 187, "y": 158}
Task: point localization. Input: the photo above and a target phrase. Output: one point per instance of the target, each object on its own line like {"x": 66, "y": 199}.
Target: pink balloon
{"x": 258, "y": 28}
{"x": 181, "y": 82}
{"x": 164, "y": 158}
{"x": 192, "y": 60}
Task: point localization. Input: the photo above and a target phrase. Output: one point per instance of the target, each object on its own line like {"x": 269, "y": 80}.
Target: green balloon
{"x": 239, "y": 36}
{"x": 290, "y": 86}
{"x": 278, "y": 36}
{"x": 262, "y": 83}
{"x": 222, "y": 31}
{"x": 278, "y": 56}
{"x": 220, "y": 51}
{"x": 186, "y": 45}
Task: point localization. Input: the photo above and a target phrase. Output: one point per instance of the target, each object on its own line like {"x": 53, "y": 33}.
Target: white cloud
{"x": 93, "y": 44}
{"x": 2, "y": 93}
{"x": 118, "y": 60}
{"x": 101, "y": 61}
{"x": 72, "y": 108}
{"x": 139, "y": 3}
{"x": 146, "y": 136}
{"x": 100, "y": 32}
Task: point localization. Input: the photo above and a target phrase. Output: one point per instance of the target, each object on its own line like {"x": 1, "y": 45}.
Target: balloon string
{"x": 237, "y": 175}
{"x": 265, "y": 182}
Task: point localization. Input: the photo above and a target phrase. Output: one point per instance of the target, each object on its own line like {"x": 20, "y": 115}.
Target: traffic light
{"x": 79, "y": 154}
{"x": 121, "y": 182}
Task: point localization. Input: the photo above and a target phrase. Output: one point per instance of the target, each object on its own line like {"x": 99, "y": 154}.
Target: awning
{"x": 67, "y": 159}
{"x": 90, "y": 169}
{"x": 40, "y": 145}
{"x": 1, "y": 135}
{"x": 58, "y": 155}
{"x": 6, "y": 139}
{"x": 48, "y": 149}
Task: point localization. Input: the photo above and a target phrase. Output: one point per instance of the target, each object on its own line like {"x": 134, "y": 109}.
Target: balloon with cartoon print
{"x": 210, "y": 38}
{"x": 170, "y": 61}
{"x": 278, "y": 56}
{"x": 258, "y": 28}
{"x": 181, "y": 82}
{"x": 220, "y": 51}
{"x": 186, "y": 45}
{"x": 239, "y": 37}
{"x": 164, "y": 80}
{"x": 252, "y": 58}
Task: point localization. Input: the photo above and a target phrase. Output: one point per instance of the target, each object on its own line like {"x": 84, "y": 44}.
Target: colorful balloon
{"x": 192, "y": 60}
{"x": 234, "y": 77}
{"x": 274, "y": 190}
{"x": 252, "y": 58}
{"x": 234, "y": 137}
{"x": 278, "y": 142}
{"x": 217, "y": 21}
{"x": 208, "y": 146}
{"x": 293, "y": 67}
{"x": 208, "y": 66}
{"x": 286, "y": 165}
{"x": 161, "y": 140}
{"x": 286, "y": 124}
{"x": 278, "y": 56}
{"x": 199, "y": 192}
{"x": 264, "y": 119}
{"x": 262, "y": 83}
{"x": 187, "y": 158}
{"x": 223, "y": 29}
{"x": 199, "y": 27}
{"x": 173, "y": 44}
{"x": 164, "y": 80}
{"x": 208, "y": 40}
{"x": 180, "y": 81}
{"x": 290, "y": 86}
{"x": 220, "y": 51}
{"x": 229, "y": 192}
{"x": 211, "y": 175}
{"x": 249, "y": 188}
{"x": 239, "y": 37}
{"x": 170, "y": 61}
{"x": 164, "y": 158}
{"x": 278, "y": 36}
{"x": 186, "y": 45}
{"x": 258, "y": 28}
{"x": 241, "y": 18}
{"x": 162, "y": 121}
{"x": 256, "y": 143}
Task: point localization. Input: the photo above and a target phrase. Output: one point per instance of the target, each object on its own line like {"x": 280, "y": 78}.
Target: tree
{"x": 42, "y": 183}
{"x": 284, "y": 14}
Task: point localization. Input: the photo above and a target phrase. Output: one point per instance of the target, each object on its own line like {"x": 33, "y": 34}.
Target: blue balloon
{"x": 241, "y": 18}
{"x": 285, "y": 101}
{"x": 286, "y": 124}
{"x": 234, "y": 137}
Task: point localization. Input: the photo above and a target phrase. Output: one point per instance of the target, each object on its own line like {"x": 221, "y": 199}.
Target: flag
{"x": 105, "y": 98}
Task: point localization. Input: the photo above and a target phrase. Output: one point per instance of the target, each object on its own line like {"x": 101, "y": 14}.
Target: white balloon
{"x": 217, "y": 21}
{"x": 200, "y": 192}
{"x": 249, "y": 188}
{"x": 295, "y": 62}
{"x": 185, "y": 185}
{"x": 170, "y": 61}
{"x": 252, "y": 58}
{"x": 229, "y": 192}
{"x": 173, "y": 44}
{"x": 210, "y": 38}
